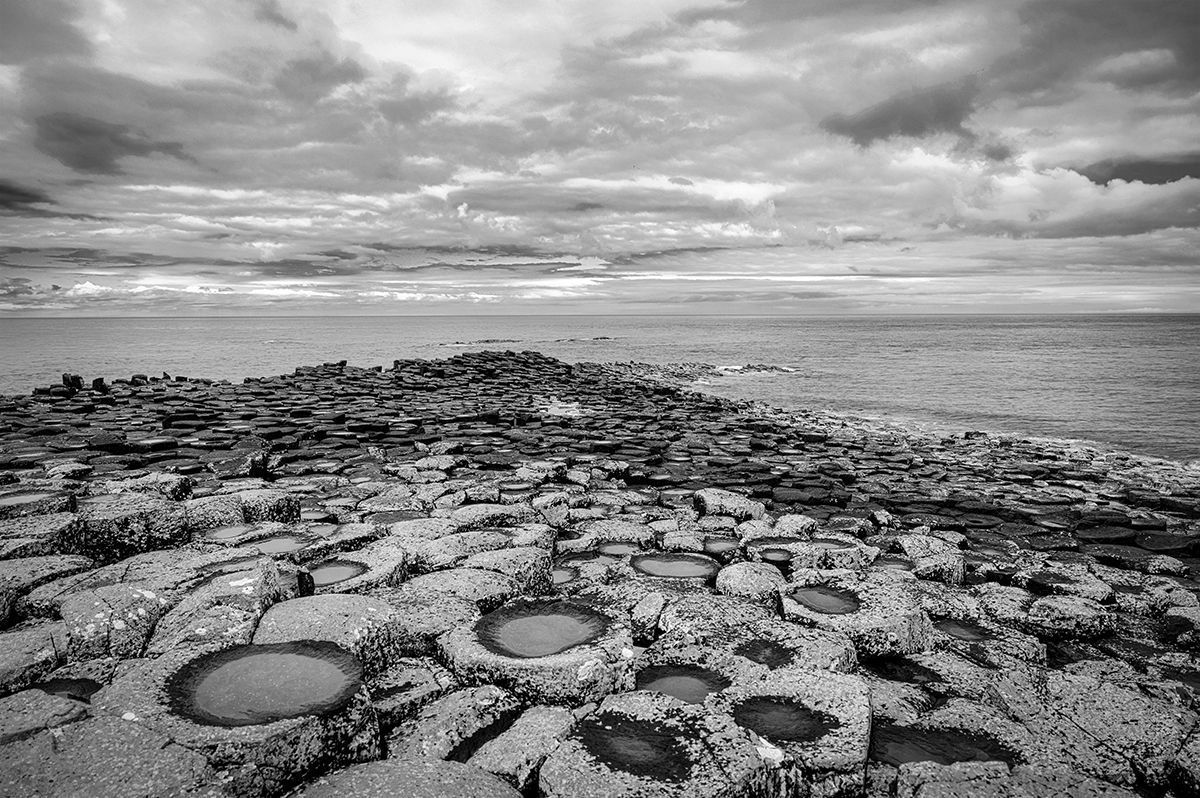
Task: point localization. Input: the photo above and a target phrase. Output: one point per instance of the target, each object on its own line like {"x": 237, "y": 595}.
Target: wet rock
{"x": 544, "y": 650}
{"x": 426, "y": 778}
{"x": 455, "y": 726}
{"x": 517, "y": 753}
{"x": 651, "y": 744}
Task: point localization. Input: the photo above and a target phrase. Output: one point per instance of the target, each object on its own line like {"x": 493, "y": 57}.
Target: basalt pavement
{"x": 823, "y": 606}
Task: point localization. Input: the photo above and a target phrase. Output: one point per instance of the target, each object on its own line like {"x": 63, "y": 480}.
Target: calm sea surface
{"x": 1129, "y": 382}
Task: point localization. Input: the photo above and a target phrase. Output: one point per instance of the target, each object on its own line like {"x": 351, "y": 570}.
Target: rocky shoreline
{"x": 501, "y": 574}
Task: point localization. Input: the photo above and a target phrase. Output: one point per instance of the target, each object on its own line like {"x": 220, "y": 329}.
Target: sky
{"x": 209, "y": 157}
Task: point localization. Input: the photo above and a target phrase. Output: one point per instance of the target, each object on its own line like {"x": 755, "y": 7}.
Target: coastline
{"x": 148, "y": 523}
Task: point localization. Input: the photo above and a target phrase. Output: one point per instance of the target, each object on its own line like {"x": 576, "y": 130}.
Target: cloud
{"x": 1152, "y": 171}
{"x": 91, "y": 145}
{"x": 40, "y": 29}
{"x": 916, "y": 113}
{"x": 14, "y": 197}
{"x": 269, "y": 11}
{"x": 1149, "y": 44}
{"x": 311, "y": 78}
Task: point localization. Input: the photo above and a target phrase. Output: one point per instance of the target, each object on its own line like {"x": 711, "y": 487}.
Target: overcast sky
{"x": 628, "y": 156}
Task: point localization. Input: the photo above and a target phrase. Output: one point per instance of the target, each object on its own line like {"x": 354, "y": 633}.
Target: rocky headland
{"x": 500, "y": 574}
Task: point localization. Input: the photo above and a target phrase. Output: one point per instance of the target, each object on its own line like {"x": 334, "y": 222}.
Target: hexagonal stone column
{"x": 650, "y": 744}
{"x": 814, "y": 726}
{"x": 269, "y": 716}
{"x": 544, "y": 650}
{"x": 879, "y": 611}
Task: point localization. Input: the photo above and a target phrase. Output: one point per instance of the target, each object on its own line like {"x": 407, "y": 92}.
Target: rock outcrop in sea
{"x": 500, "y": 574}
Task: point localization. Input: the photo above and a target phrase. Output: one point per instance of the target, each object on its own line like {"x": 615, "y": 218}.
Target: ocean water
{"x": 1125, "y": 382}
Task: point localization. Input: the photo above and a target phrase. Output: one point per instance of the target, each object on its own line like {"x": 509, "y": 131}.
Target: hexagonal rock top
{"x": 649, "y": 744}
{"x": 271, "y": 716}
{"x": 545, "y": 650}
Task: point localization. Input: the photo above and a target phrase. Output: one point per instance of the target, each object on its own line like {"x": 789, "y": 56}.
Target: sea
{"x": 1122, "y": 382}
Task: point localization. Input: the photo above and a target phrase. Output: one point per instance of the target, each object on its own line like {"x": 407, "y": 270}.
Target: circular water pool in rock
{"x": 226, "y": 532}
{"x": 635, "y": 746}
{"x": 330, "y": 572}
{"x": 766, "y": 652}
{"x": 779, "y": 719}
{"x": 618, "y": 549}
{"x": 284, "y": 544}
{"x": 897, "y": 745}
{"x": 720, "y": 547}
{"x": 539, "y": 628}
{"x": 254, "y": 684}
{"x": 893, "y": 563}
{"x": 780, "y": 558}
{"x": 19, "y": 499}
{"x": 689, "y": 683}
{"x": 832, "y": 544}
{"x": 563, "y": 574}
{"x": 827, "y": 600}
{"x": 676, "y": 566}
{"x": 963, "y": 630}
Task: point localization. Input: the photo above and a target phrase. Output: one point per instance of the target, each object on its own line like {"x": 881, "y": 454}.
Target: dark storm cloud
{"x": 917, "y": 113}
{"x": 1146, "y": 170}
{"x": 269, "y": 11}
{"x": 1065, "y": 38}
{"x": 87, "y": 144}
{"x": 310, "y": 79}
{"x": 33, "y": 29}
{"x": 14, "y": 197}
{"x": 18, "y": 200}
